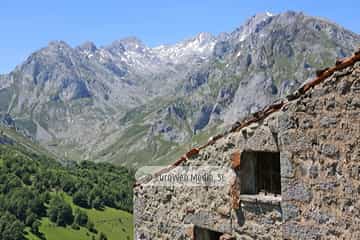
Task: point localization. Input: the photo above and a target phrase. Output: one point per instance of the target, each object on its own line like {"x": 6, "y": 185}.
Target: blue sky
{"x": 29, "y": 25}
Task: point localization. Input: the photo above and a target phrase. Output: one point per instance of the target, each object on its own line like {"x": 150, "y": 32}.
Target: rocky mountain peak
{"x": 87, "y": 47}
{"x": 259, "y": 17}
{"x": 116, "y": 47}
{"x": 193, "y": 49}
{"x": 201, "y": 41}
{"x": 223, "y": 36}
{"x": 55, "y": 54}
{"x": 203, "y": 38}
{"x": 132, "y": 44}
{"x": 58, "y": 45}
{"x": 254, "y": 24}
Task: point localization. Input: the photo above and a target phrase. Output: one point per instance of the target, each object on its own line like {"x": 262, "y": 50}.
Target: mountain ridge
{"x": 129, "y": 103}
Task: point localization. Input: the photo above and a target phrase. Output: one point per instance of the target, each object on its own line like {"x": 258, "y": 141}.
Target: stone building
{"x": 296, "y": 168}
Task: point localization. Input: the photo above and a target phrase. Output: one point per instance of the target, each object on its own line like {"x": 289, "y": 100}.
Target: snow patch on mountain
{"x": 201, "y": 45}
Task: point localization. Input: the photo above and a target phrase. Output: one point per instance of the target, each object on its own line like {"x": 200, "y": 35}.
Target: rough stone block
{"x": 293, "y": 190}
{"x": 289, "y": 211}
{"x": 286, "y": 122}
{"x": 286, "y": 165}
{"x": 314, "y": 171}
{"x": 355, "y": 103}
{"x": 223, "y": 211}
{"x": 327, "y": 122}
{"x": 330, "y": 150}
{"x": 300, "y": 232}
{"x": 306, "y": 123}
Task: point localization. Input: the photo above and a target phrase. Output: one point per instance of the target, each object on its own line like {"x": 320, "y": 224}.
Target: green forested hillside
{"x": 41, "y": 198}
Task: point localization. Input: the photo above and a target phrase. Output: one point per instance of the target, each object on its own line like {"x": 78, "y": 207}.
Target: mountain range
{"x": 131, "y": 104}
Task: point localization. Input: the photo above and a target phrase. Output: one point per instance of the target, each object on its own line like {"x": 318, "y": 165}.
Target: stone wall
{"x": 318, "y": 137}
{"x": 170, "y": 213}
{"x": 320, "y": 149}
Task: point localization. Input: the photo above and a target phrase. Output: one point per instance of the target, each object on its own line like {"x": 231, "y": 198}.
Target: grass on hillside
{"x": 53, "y": 232}
{"x": 115, "y": 224}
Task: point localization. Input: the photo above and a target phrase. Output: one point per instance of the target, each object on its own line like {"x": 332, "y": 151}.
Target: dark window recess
{"x": 206, "y": 234}
{"x": 260, "y": 172}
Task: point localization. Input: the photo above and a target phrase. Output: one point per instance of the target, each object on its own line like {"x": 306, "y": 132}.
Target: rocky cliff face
{"x": 130, "y": 103}
{"x": 267, "y": 58}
